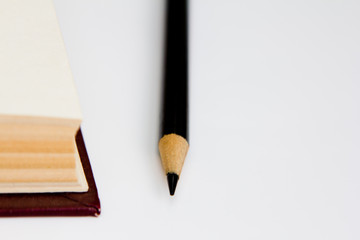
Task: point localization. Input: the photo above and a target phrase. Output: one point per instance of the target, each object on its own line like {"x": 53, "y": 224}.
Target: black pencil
{"x": 173, "y": 144}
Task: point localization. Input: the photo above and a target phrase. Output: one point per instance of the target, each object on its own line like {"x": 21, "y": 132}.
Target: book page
{"x": 35, "y": 76}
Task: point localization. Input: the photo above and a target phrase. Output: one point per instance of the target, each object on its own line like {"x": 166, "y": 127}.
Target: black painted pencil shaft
{"x": 173, "y": 145}
{"x": 175, "y": 101}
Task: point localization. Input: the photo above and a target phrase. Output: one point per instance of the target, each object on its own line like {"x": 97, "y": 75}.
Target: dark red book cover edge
{"x": 55, "y": 204}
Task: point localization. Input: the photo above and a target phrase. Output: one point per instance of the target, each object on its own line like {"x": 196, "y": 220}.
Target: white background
{"x": 274, "y": 121}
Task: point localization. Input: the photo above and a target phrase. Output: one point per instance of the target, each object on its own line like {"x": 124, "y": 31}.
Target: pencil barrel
{"x": 175, "y": 96}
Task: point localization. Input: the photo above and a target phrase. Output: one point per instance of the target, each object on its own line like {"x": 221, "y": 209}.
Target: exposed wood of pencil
{"x": 173, "y": 149}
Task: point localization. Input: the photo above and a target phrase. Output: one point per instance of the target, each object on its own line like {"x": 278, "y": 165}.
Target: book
{"x": 40, "y": 113}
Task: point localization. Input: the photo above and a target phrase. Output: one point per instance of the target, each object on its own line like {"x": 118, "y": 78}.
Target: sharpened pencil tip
{"x": 172, "y": 182}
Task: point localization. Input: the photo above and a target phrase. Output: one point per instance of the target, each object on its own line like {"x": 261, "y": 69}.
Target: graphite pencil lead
{"x": 172, "y": 182}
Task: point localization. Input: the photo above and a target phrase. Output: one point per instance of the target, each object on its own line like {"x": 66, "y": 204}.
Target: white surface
{"x": 275, "y": 130}
{"x": 35, "y": 76}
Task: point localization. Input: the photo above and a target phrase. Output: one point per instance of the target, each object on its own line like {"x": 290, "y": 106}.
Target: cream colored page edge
{"x": 80, "y": 186}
